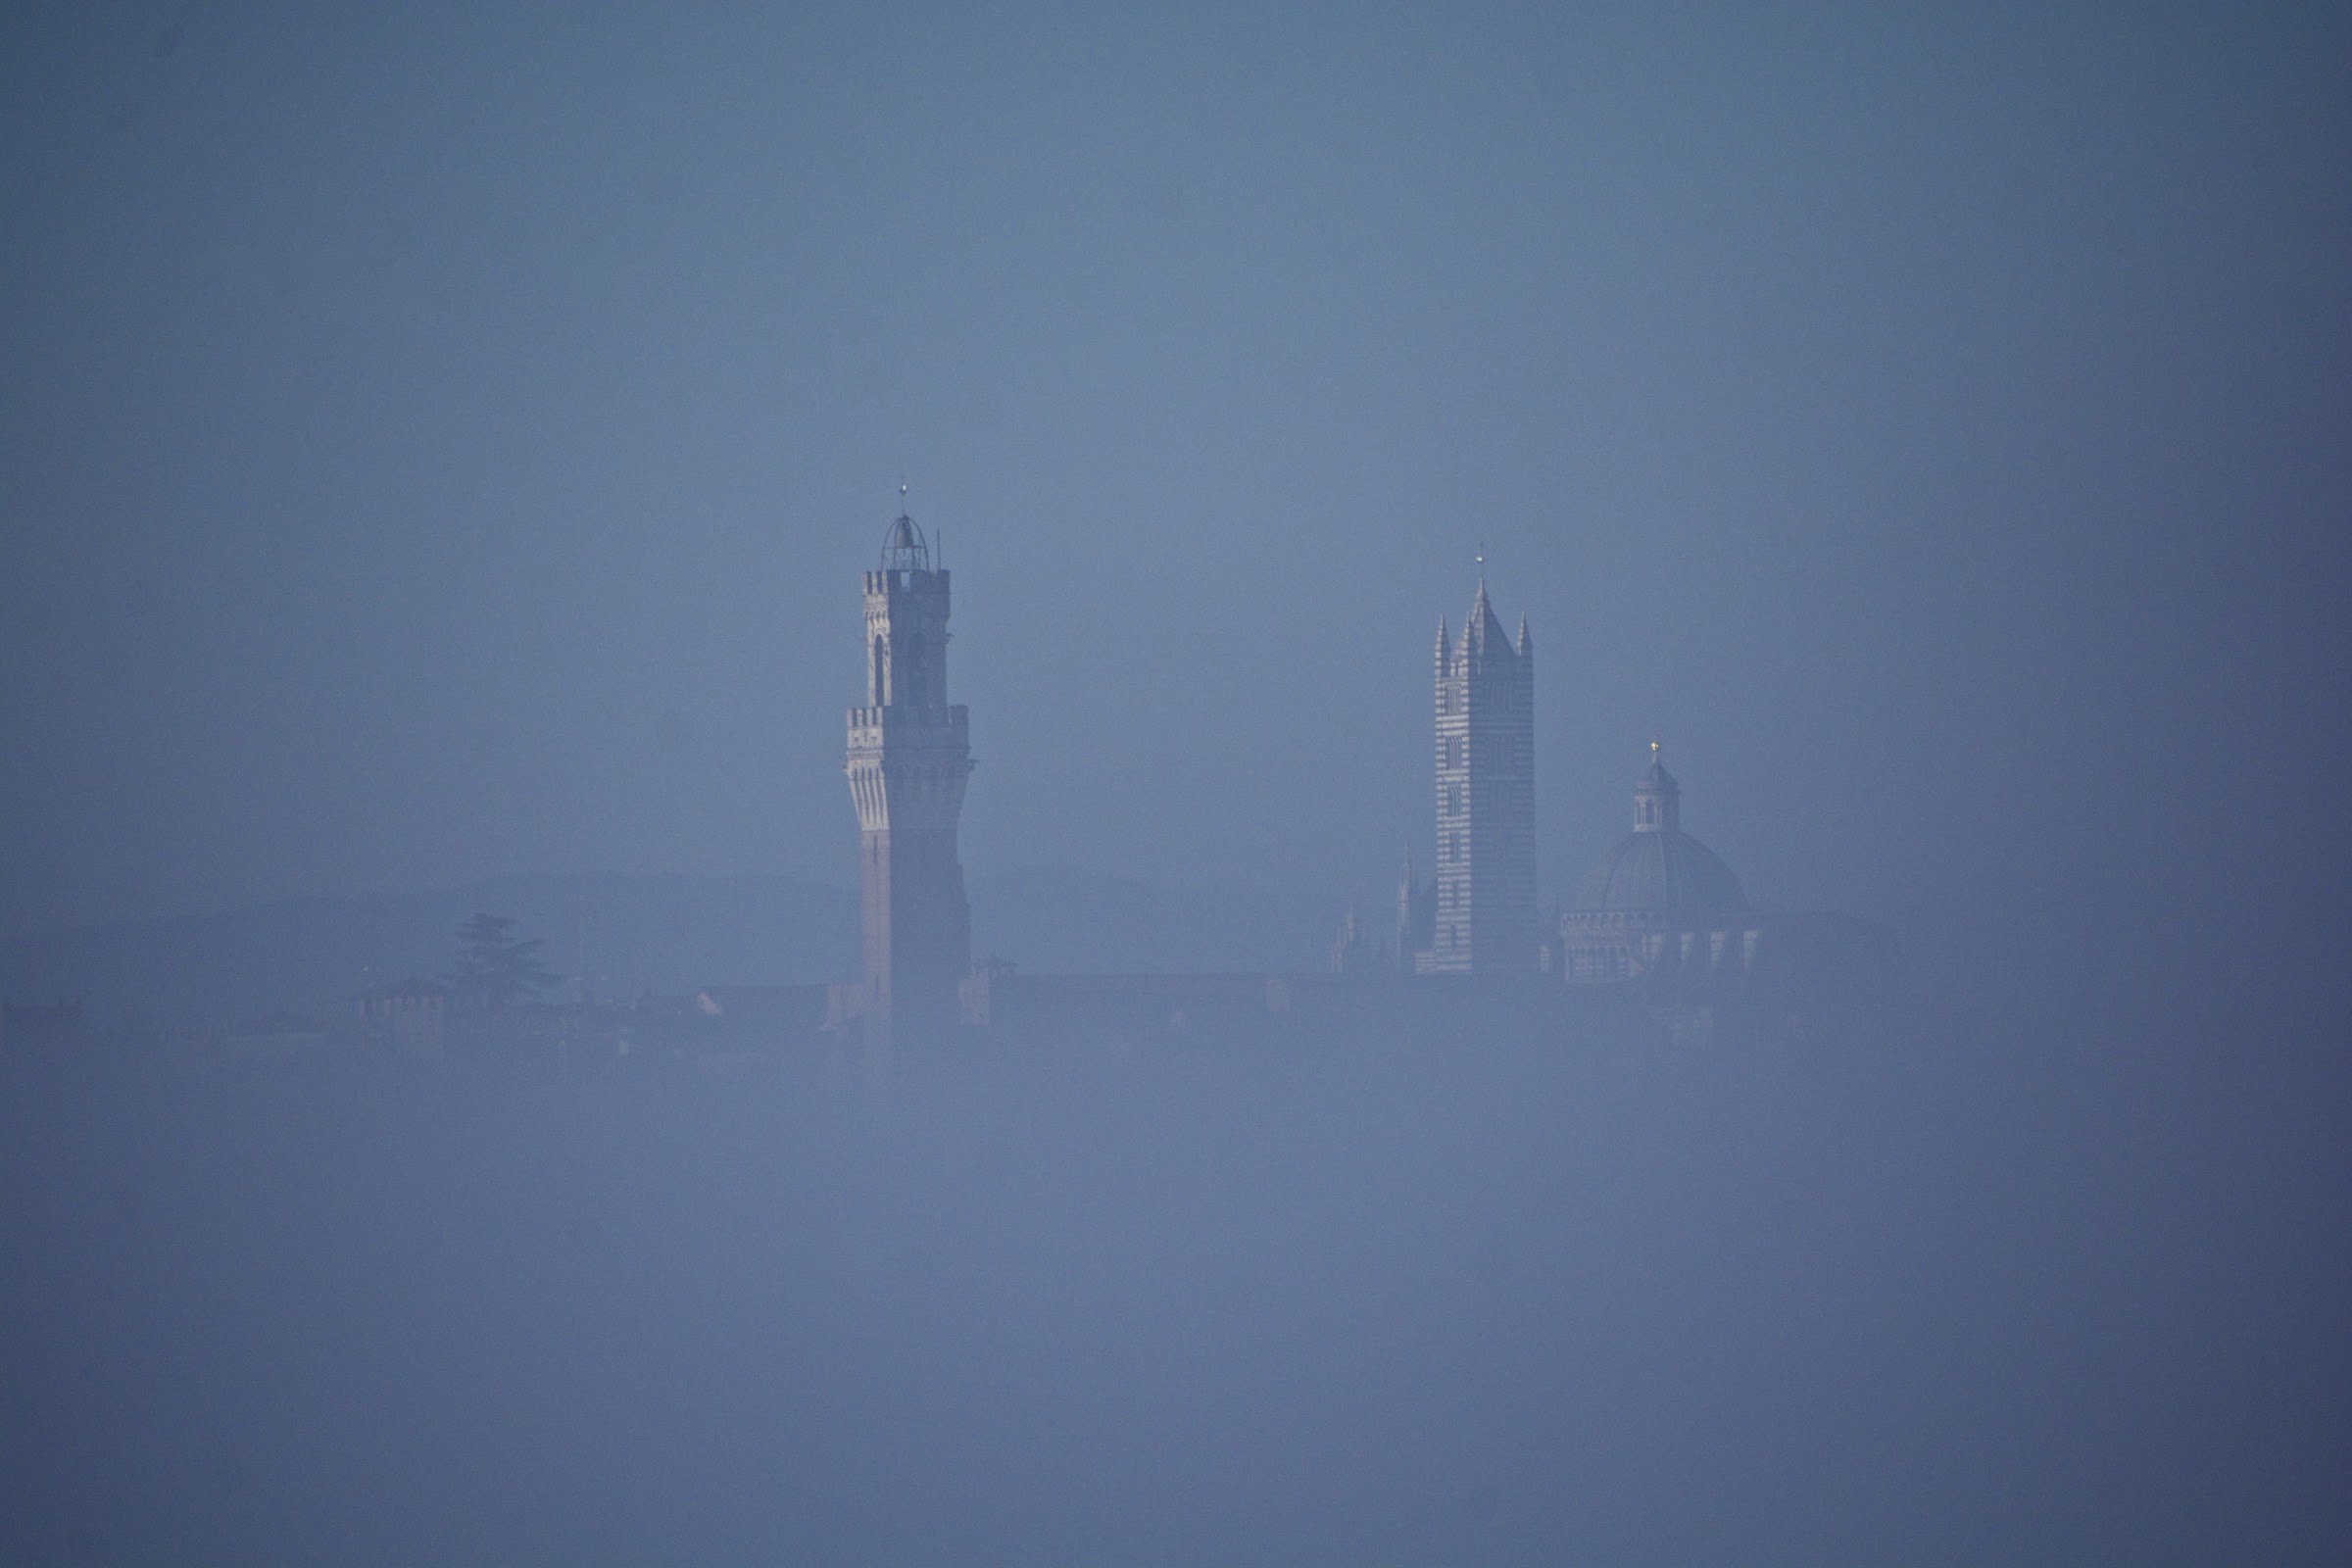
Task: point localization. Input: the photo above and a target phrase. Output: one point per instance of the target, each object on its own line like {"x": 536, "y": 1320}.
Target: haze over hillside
{"x": 621, "y": 935}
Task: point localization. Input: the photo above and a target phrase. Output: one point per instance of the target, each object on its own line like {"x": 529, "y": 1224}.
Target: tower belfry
{"x": 1486, "y": 744}
{"x": 910, "y": 755}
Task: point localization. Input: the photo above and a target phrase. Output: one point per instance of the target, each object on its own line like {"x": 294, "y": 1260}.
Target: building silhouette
{"x": 1484, "y": 919}
{"x": 910, "y": 756}
{"x": 1652, "y": 888}
{"x": 1661, "y": 918}
{"x": 1416, "y": 914}
{"x": 1659, "y": 928}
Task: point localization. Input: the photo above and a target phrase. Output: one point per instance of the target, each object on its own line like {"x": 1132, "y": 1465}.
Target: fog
{"x": 1964, "y": 1298}
{"x": 437, "y": 454}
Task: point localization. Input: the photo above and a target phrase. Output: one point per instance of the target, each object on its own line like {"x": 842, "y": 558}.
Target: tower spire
{"x": 1483, "y": 630}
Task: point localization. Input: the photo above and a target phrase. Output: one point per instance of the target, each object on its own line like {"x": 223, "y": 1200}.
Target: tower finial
{"x": 903, "y": 547}
{"x": 1657, "y": 798}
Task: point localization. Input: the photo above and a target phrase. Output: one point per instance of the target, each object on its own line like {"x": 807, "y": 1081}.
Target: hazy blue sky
{"x": 442, "y": 441}
{"x": 439, "y": 442}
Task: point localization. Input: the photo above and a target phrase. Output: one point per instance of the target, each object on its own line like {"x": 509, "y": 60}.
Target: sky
{"x": 441, "y": 442}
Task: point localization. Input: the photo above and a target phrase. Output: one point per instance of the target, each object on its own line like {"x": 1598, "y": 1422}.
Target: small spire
{"x": 1482, "y": 624}
{"x": 1526, "y": 647}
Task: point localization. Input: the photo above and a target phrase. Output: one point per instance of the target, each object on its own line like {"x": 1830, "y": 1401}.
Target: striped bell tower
{"x": 1485, "y": 742}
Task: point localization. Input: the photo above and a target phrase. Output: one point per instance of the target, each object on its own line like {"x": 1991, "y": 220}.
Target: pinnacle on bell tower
{"x": 910, "y": 756}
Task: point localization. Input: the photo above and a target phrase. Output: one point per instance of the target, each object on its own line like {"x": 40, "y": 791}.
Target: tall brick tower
{"x": 910, "y": 756}
{"x": 1485, "y": 893}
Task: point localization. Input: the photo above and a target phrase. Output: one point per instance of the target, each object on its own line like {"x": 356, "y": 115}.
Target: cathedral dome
{"x": 1659, "y": 868}
{"x": 1662, "y": 871}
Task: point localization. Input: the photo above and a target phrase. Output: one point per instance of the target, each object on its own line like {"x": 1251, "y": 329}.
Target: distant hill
{"x": 621, "y": 935}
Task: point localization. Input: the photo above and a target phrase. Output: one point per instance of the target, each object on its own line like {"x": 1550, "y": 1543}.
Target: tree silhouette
{"x": 497, "y": 966}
